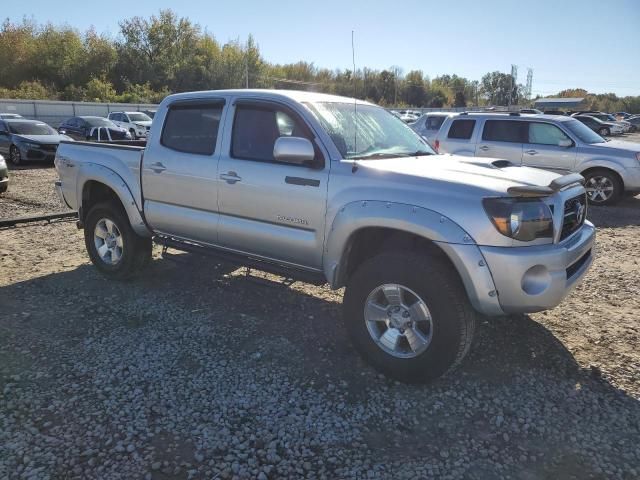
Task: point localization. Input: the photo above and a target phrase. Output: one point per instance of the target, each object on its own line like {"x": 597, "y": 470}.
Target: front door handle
{"x": 157, "y": 167}
{"x": 230, "y": 177}
{"x": 531, "y": 152}
{"x": 484, "y": 148}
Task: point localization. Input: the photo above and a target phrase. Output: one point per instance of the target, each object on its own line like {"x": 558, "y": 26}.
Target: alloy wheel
{"x": 108, "y": 241}
{"x": 599, "y": 189}
{"x": 398, "y": 320}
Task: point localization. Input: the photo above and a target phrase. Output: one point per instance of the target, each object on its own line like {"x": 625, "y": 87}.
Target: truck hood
{"x": 488, "y": 176}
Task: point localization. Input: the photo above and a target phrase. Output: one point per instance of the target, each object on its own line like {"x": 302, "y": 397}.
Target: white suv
{"x": 551, "y": 142}
{"x": 137, "y": 123}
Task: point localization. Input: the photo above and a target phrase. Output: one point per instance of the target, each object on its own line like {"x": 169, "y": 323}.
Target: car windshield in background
{"x": 27, "y": 128}
{"x": 367, "y": 131}
{"x": 583, "y": 132}
{"x": 139, "y": 117}
{"x": 100, "y": 122}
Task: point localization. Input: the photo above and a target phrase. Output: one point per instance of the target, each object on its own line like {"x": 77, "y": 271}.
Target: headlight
{"x": 523, "y": 219}
{"x": 30, "y": 145}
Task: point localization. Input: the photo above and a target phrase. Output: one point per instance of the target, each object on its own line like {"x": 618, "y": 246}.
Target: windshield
{"x": 583, "y": 132}
{"x": 25, "y": 128}
{"x": 139, "y": 117}
{"x": 372, "y": 132}
{"x": 100, "y": 122}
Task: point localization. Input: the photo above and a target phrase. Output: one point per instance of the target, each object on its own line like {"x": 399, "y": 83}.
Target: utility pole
{"x": 246, "y": 70}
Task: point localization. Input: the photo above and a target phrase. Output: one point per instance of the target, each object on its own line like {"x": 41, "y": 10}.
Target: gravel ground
{"x": 195, "y": 370}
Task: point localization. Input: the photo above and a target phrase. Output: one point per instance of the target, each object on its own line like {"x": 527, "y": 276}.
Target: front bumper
{"x": 631, "y": 179}
{"x": 531, "y": 279}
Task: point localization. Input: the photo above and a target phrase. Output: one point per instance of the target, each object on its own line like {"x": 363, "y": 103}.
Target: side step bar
{"x": 293, "y": 273}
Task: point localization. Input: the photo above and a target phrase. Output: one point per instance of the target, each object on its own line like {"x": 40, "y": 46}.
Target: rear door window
{"x": 504, "y": 131}
{"x": 192, "y": 128}
{"x": 461, "y": 129}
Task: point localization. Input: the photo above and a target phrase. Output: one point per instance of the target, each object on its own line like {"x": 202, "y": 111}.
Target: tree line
{"x": 165, "y": 53}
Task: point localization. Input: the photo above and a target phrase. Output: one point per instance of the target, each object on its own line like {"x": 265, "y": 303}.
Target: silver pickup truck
{"x": 333, "y": 190}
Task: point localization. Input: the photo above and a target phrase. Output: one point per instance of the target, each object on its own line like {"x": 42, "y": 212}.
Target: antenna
{"x": 355, "y": 103}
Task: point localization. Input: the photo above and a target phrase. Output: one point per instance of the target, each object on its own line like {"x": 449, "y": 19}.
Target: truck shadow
{"x": 623, "y": 214}
{"x": 516, "y": 372}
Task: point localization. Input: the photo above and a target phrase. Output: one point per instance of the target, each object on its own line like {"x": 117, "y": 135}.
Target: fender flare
{"x": 357, "y": 215}
{"x": 455, "y": 242}
{"x": 101, "y": 174}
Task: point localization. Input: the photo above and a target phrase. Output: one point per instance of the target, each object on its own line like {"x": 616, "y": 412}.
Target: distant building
{"x": 576, "y": 103}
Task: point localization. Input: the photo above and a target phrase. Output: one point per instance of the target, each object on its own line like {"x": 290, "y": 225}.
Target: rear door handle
{"x": 484, "y": 148}
{"x": 531, "y": 152}
{"x": 230, "y": 177}
{"x": 157, "y": 167}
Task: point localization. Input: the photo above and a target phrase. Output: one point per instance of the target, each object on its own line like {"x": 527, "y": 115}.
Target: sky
{"x": 588, "y": 44}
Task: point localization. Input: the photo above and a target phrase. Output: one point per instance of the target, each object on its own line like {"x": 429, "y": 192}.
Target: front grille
{"x": 575, "y": 213}
{"x": 49, "y": 148}
{"x": 573, "y": 269}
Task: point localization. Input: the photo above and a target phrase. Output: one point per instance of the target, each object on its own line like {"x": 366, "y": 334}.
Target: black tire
{"x": 15, "y": 156}
{"x": 604, "y": 131}
{"x": 3, "y": 187}
{"x": 438, "y": 285}
{"x": 136, "y": 250}
{"x": 593, "y": 177}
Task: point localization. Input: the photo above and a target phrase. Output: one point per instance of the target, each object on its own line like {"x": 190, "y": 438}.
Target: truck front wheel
{"x": 114, "y": 248}
{"x": 408, "y": 315}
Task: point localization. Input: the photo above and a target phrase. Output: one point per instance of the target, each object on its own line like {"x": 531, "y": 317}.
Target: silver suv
{"x": 550, "y": 142}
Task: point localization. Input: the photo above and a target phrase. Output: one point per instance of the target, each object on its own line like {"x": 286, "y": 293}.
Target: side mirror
{"x": 62, "y": 131}
{"x": 295, "y": 150}
{"x": 565, "y": 143}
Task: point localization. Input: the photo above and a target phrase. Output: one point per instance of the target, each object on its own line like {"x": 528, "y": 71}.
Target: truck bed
{"x": 75, "y": 159}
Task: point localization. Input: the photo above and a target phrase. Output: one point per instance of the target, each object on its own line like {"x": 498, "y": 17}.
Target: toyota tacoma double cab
{"x": 328, "y": 189}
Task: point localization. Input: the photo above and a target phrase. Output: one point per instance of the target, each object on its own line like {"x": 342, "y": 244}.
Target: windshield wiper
{"x": 419, "y": 153}
{"x": 375, "y": 155}
{"x": 390, "y": 155}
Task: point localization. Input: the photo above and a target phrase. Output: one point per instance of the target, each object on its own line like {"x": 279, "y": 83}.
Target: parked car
{"x": 281, "y": 180}
{"x": 623, "y": 115}
{"x": 137, "y": 123}
{"x": 530, "y": 111}
{"x": 22, "y": 140}
{"x": 557, "y": 143}
{"x": 554, "y": 112}
{"x": 429, "y": 124}
{"x": 635, "y": 121}
{"x": 4, "y": 175}
{"x": 80, "y": 128}
{"x": 8, "y": 116}
{"x": 608, "y": 118}
{"x": 602, "y": 128}
{"x": 150, "y": 113}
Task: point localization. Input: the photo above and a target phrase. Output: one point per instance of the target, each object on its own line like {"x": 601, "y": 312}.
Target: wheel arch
{"x": 609, "y": 167}
{"x": 98, "y": 183}
{"x": 363, "y": 229}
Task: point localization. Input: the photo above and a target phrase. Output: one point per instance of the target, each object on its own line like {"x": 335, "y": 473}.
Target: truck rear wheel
{"x": 408, "y": 315}
{"x": 114, "y": 248}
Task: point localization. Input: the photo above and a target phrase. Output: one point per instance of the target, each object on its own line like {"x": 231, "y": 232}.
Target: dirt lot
{"x": 194, "y": 370}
